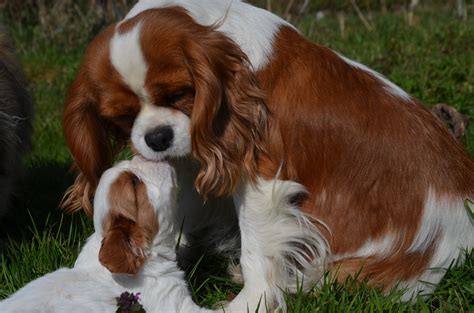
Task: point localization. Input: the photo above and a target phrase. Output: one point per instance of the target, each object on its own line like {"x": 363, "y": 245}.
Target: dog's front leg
{"x": 279, "y": 243}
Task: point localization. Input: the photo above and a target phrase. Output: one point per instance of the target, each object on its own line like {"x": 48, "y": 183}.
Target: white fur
{"x": 446, "y": 224}
{"x": 276, "y": 236}
{"x": 127, "y": 58}
{"x": 381, "y": 247}
{"x": 253, "y": 29}
{"x": 90, "y": 287}
{"x": 153, "y": 116}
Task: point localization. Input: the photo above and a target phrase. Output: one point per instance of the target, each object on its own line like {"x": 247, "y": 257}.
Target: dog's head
{"x": 176, "y": 88}
{"x": 134, "y": 208}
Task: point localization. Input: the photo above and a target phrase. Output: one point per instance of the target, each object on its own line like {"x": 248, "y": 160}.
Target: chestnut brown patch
{"x": 129, "y": 227}
{"x": 367, "y": 157}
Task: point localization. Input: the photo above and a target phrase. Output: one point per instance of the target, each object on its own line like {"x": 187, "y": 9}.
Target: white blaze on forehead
{"x": 251, "y": 28}
{"x": 127, "y": 58}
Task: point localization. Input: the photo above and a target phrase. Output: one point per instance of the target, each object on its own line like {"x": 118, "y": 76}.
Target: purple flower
{"x": 128, "y": 303}
{"x": 137, "y": 296}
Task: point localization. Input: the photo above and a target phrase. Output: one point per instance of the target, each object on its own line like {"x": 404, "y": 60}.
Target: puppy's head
{"x": 130, "y": 203}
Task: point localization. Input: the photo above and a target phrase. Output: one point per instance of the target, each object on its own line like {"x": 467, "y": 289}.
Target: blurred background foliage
{"x": 72, "y": 23}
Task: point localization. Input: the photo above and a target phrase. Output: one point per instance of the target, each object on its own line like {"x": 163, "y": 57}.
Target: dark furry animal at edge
{"x": 16, "y": 114}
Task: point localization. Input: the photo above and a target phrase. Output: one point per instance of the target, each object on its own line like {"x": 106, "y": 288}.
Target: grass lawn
{"x": 434, "y": 61}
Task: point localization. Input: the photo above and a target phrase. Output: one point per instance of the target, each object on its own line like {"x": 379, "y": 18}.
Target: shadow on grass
{"x": 36, "y": 202}
{"x": 210, "y": 282}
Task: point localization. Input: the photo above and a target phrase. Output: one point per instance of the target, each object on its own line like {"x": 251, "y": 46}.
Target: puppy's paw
{"x": 235, "y": 272}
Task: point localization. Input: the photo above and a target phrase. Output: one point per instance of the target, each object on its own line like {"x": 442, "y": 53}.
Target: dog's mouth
{"x": 141, "y": 158}
{"x": 140, "y": 161}
{"x": 157, "y": 158}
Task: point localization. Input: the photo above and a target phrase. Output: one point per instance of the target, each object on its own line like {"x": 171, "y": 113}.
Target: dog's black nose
{"x": 160, "y": 138}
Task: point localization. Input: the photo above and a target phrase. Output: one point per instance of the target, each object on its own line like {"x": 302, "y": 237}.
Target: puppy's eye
{"x": 135, "y": 181}
{"x": 172, "y": 98}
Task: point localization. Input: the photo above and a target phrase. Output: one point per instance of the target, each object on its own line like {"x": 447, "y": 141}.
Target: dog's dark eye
{"x": 172, "y": 98}
{"x": 123, "y": 118}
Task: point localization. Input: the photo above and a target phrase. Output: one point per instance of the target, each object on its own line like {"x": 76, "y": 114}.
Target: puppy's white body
{"x": 90, "y": 287}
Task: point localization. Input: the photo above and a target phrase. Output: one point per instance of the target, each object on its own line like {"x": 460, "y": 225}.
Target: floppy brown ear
{"x": 129, "y": 227}
{"x": 123, "y": 246}
{"x": 88, "y": 141}
{"x": 88, "y": 136}
{"x": 229, "y": 117}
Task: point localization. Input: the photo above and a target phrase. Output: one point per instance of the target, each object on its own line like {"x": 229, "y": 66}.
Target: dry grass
{"x": 72, "y": 23}
{"x": 67, "y": 23}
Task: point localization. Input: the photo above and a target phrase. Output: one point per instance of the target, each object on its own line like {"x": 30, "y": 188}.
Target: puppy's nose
{"x": 159, "y": 138}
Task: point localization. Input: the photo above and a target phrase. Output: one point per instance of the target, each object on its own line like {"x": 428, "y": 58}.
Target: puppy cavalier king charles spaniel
{"x": 326, "y": 164}
{"x": 132, "y": 249}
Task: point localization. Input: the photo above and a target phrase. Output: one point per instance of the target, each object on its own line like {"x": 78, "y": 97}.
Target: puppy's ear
{"x": 130, "y": 226}
{"x": 123, "y": 247}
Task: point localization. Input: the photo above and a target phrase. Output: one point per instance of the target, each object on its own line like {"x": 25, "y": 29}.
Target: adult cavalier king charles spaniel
{"x": 327, "y": 164}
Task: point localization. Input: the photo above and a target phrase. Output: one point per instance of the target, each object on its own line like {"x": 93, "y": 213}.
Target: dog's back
{"x": 16, "y": 112}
